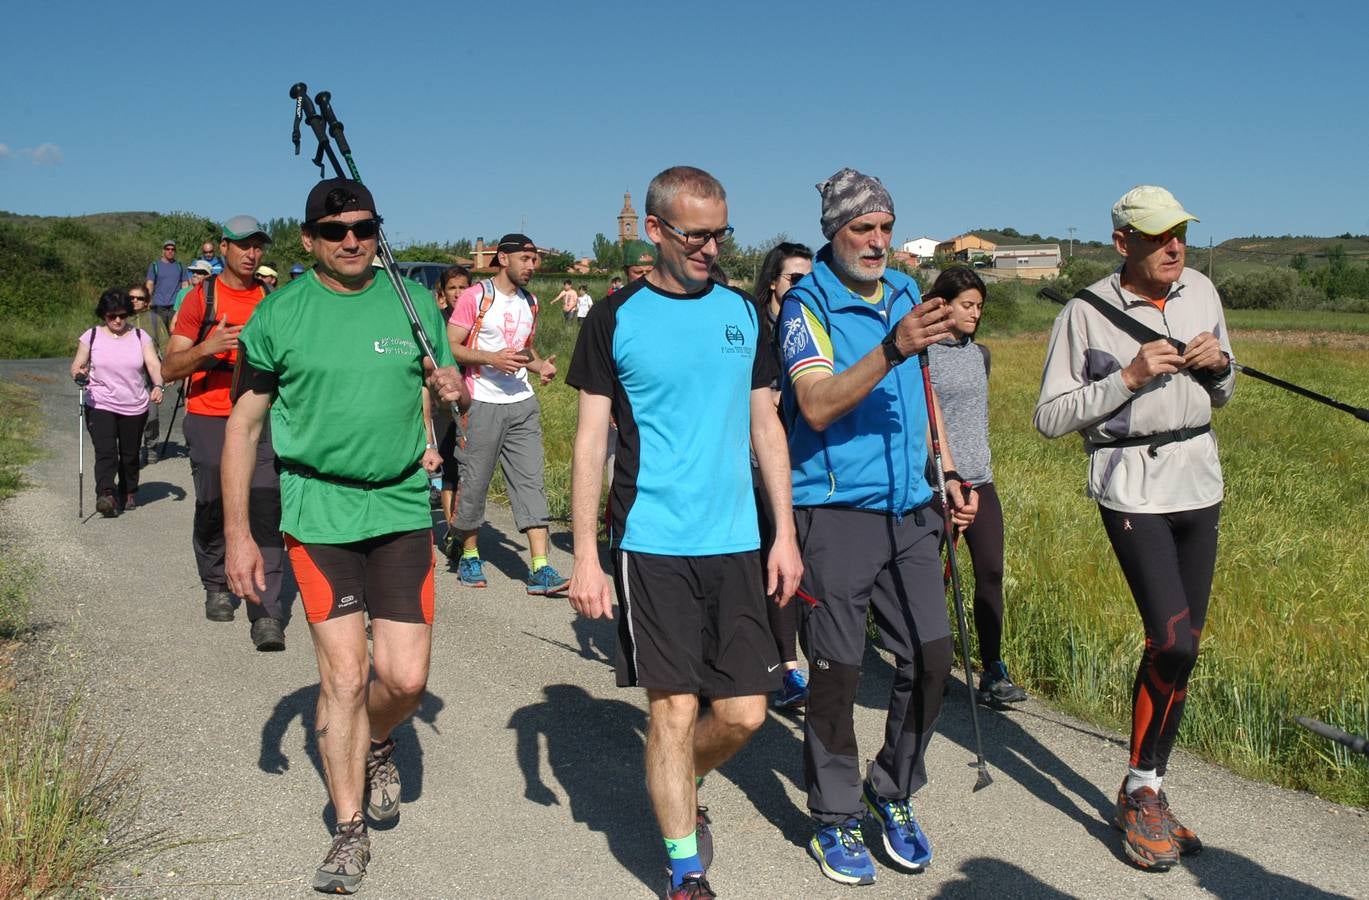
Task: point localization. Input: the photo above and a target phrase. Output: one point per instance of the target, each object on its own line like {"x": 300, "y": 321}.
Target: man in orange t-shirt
{"x": 206, "y": 352}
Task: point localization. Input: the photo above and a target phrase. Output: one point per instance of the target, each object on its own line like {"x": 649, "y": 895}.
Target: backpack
{"x": 486, "y": 301}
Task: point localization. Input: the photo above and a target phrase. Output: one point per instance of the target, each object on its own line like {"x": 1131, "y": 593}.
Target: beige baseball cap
{"x": 1149, "y": 209}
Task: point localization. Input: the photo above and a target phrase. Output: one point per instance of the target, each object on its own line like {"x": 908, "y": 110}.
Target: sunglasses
{"x": 110, "y": 317}
{"x": 698, "y": 239}
{"x": 792, "y": 276}
{"x": 138, "y": 298}
{"x": 1178, "y": 231}
{"x": 365, "y": 229}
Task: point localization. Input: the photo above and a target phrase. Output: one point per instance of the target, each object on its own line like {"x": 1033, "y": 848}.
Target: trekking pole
{"x": 324, "y": 123}
{"x": 81, "y": 382}
{"x": 1359, "y": 412}
{"x": 171, "y": 423}
{"x": 984, "y": 779}
{"x": 1354, "y": 741}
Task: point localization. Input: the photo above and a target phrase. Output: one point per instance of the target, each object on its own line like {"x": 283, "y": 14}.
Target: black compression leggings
{"x": 985, "y": 540}
{"x": 1168, "y": 561}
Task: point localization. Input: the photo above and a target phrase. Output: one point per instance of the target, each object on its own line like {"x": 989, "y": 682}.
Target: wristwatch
{"x": 891, "y": 351}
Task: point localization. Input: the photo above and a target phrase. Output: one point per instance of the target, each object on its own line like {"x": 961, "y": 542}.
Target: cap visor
{"x": 1162, "y": 220}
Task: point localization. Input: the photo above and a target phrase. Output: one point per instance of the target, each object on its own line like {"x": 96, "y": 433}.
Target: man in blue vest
{"x": 869, "y": 534}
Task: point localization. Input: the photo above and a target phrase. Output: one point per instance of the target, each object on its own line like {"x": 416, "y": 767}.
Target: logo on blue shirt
{"x": 736, "y": 341}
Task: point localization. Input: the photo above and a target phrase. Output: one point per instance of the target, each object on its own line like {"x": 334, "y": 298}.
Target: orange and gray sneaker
{"x": 1145, "y": 834}
{"x": 1183, "y": 836}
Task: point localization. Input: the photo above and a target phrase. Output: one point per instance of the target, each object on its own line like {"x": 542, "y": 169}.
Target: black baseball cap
{"x": 337, "y": 195}
{"x": 512, "y": 243}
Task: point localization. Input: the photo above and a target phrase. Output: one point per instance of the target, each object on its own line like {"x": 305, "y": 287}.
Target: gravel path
{"x": 522, "y": 773}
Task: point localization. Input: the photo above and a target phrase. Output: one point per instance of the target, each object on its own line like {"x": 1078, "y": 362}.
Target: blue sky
{"x": 1036, "y": 116}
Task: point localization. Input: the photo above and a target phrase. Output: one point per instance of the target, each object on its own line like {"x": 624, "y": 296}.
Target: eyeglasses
{"x": 792, "y": 276}
{"x": 110, "y": 317}
{"x": 364, "y": 229}
{"x": 138, "y": 298}
{"x": 698, "y": 239}
{"x": 1178, "y": 231}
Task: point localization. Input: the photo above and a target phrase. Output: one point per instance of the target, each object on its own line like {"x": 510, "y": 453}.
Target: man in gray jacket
{"x": 1144, "y": 411}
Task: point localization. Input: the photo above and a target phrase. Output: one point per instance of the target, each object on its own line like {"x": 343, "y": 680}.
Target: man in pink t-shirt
{"x": 491, "y": 336}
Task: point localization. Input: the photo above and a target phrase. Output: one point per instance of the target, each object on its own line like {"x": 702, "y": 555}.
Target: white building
{"x": 922, "y": 248}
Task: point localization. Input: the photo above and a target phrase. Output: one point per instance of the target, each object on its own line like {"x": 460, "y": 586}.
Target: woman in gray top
{"x": 960, "y": 375}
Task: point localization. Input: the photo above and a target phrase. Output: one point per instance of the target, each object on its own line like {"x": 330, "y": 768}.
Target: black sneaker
{"x": 996, "y": 688}
{"x": 267, "y": 635}
{"x": 345, "y": 865}
{"x": 106, "y": 506}
{"x": 218, "y": 606}
{"x": 382, "y": 782}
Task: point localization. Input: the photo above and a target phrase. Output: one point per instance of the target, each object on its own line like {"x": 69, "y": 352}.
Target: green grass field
{"x": 1288, "y": 631}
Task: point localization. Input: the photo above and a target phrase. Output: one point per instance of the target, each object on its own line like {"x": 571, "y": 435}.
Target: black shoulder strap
{"x": 1137, "y": 331}
{"x": 207, "y": 320}
{"x": 987, "y": 362}
{"x": 91, "y": 362}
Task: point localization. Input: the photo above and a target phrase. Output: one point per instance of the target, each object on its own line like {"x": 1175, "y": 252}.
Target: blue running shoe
{"x": 546, "y": 581}
{"x": 471, "y": 571}
{"x": 841, "y": 854}
{"x": 793, "y": 692}
{"x": 903, "y": 838}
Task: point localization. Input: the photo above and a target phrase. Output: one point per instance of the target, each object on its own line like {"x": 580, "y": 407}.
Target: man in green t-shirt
{"x": 333, "y": 359}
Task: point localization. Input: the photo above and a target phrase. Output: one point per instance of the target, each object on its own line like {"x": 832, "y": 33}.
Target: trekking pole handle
{"x": 299, "y": 92}
{"x": 324, "y": 99}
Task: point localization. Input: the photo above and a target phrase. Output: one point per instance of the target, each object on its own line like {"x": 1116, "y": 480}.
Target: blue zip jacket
{"x": 875, "y": 456}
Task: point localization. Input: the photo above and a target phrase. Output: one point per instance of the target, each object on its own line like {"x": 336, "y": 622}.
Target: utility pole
{"x": 1072, "y": 230}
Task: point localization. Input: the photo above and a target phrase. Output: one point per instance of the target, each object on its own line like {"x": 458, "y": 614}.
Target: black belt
{"x": 1153, "y": 441}
{"x": 308, "y": 472}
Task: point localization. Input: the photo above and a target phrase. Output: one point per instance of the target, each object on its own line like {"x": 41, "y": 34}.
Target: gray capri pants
{"x": 512, "y": 434}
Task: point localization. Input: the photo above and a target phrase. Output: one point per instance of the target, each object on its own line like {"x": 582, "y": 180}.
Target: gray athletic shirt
{"x": 962, "y": 386}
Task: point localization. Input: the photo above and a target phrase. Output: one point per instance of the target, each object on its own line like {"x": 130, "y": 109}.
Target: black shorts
{"x": 446, "y": 448}
{"x": 390, "y": 576}
{"x": 694, "y": 624}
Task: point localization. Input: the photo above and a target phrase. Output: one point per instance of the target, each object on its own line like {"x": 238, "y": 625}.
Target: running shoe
{"x": 345, "y": 865}
{"x": 703, "y": 835}
{"x": 996, "y": 688}
{"x": 1183, "y": 836}
{"x": 904, "y": 840}
{"x": 218, "y": 606}
{"x": 382, "y": 782}
{"x": 546, "y": 581}
{"x": 693, "y": 887}
{"x": 130, "y": 502}
{"x": 841, "y": 853}
{"x": 1145, "y": 835}
{"x": 105, "y": 506}
{"x": 267, "y": 635}
{"x": 471, "y": 571}
{"x": 793, "y": 692}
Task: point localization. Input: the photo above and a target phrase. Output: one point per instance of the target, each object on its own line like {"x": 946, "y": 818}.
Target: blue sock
{"x": 684, "y": 858}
